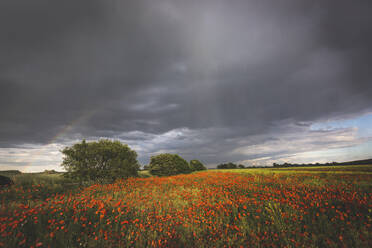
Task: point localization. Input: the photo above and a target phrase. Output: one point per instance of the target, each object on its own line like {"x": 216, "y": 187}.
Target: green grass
{"x": 322, "y": 175}
{"x": 144, "y": 173}
{"x": 40, "y": 185}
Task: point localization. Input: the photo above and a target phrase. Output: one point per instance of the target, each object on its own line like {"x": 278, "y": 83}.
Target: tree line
{"x": 230, "y": 165}
{"x": 356, "y": 162}
{"x": 106, "y": 161}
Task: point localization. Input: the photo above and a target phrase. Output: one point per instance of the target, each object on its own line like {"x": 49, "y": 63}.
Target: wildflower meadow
{"x": 241, "y": 208}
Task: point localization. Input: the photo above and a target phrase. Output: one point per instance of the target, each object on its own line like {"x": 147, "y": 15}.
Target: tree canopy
{"x": 227, "y": 166}
{"x": 168, "y": 164}
{"x": 196, "y": 165}
{"x": 104, "y": 160}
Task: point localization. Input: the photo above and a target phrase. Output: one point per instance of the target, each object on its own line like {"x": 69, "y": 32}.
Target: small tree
{"x": 241, "y": 166}
{"x": 168, "y": 164}
{"x": 104, "y": 160}
{"x": 196, "y": 165}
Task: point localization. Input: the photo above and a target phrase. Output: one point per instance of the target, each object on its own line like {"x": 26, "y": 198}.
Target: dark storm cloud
{"x": 238, "y": 68}
{"x": 28, "y": 27}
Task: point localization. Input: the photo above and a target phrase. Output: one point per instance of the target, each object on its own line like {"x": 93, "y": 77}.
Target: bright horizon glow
{"x": 348, "y": 139}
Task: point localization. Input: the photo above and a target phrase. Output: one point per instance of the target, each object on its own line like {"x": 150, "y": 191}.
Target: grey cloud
{"x": 79, "y": 69}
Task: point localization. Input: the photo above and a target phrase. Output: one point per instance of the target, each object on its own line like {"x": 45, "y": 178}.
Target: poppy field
{"x": 242, "y": 208}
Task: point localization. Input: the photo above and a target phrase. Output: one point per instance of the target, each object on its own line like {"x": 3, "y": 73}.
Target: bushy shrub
{"x": 5, "y": 181}
{"x": 196, "y": 165}
{"x": 168, "y": 164}
{"x": 104, "y": 160}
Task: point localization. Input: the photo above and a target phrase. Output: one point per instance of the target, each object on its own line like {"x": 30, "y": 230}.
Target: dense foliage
{"x": 5, "y": 181}
{"x": 227, "y": 166}
{"x": 168, "y": 164}
{"x": 196, "y": 165}
{"x": 104, "y": 160}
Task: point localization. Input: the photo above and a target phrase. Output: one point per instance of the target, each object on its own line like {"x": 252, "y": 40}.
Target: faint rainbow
{"x": 84, "y": 117}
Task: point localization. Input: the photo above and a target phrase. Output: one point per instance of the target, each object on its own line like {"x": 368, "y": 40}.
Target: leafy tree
{"x": 241, "y": 166}
{"x": 168, "y": 164}
{"x": 50, "y": 172}
{"x": 221, "y": 166}
{"x": 104, "y": 160}
{"x": 196, "y": 165}
{"x": 227, "y": 166}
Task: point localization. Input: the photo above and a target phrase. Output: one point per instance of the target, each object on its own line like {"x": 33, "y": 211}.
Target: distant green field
{"x": 144, "y": 173}
{"x": 344, "y": 169}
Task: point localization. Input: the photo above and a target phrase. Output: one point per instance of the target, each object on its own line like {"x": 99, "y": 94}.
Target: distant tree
{"x": 359, "y": 162}
{"x": 168, "y": 164}
{"x": 196, "y": 165}
{"x": 104, "y": 160}
{"x": 241, "y": 166}
{"x": 146, "y": 167}
{"x": 227, "y": 166}
{"x": 222, "y": 166}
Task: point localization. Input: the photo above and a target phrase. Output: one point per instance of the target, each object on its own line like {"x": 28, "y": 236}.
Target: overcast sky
{"x": 247, "y": 81}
